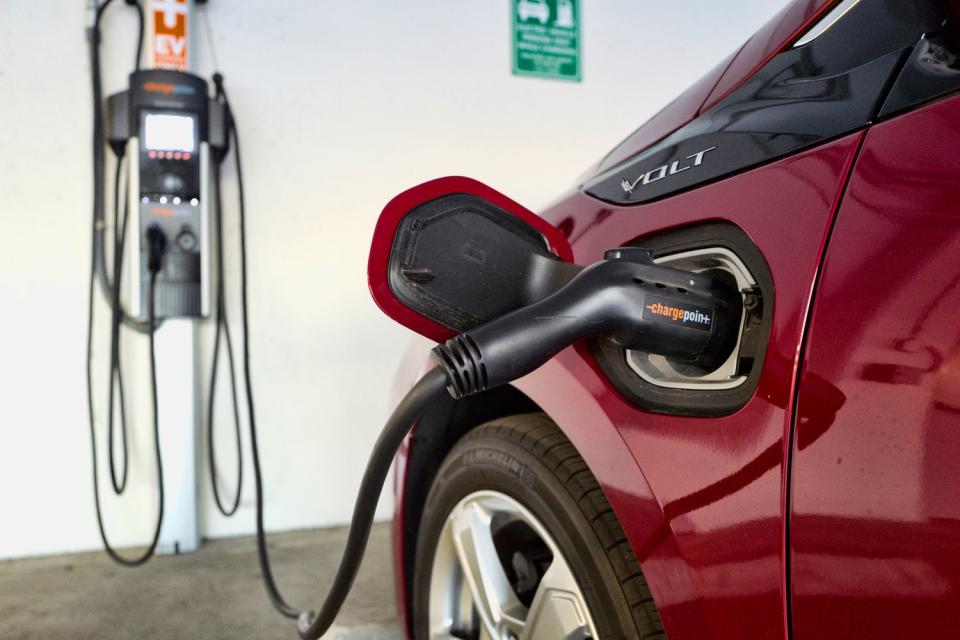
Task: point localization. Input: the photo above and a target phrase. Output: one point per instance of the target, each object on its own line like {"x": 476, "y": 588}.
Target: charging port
{"x": 670, "y": 385}
{"x": 663, "y": 371}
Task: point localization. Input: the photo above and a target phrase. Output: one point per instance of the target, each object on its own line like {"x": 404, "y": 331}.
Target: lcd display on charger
{"x": 168, "y": 132}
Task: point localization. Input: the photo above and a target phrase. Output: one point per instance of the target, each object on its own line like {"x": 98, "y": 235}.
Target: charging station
{"x": 162, "y": 130}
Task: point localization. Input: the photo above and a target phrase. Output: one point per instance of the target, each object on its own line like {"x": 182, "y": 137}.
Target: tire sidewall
{"x": 482, "y": 461}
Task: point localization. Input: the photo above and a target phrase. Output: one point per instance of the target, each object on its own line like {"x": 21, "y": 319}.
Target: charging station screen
{"x": 166, "y": 132}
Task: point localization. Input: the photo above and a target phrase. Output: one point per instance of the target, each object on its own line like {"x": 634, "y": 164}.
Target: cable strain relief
{"x": 461, "y": 361}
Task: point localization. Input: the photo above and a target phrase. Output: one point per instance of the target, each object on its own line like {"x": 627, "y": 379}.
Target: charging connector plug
{"x": 156, "y": 248}
{"x": 626, "y": 298}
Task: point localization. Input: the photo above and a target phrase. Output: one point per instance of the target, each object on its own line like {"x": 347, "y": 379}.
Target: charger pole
{"x": 170, "y": 46}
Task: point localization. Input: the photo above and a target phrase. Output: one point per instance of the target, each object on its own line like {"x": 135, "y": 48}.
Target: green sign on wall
{"x": 546, "y": 38}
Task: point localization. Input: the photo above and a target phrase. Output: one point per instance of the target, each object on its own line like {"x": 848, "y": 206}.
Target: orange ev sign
{"x": 169, "y": 37}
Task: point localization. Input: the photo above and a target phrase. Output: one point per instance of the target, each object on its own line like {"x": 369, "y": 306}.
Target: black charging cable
{"x": 263, "y": 556}
{"x": 116, "y": 374}
{"x": 156, "y": 242}
{"x": 221, "y": 322}
{"x": 111, "y": 288}
{"x": 433, "y": 384}
{"x": 99, "y": 147}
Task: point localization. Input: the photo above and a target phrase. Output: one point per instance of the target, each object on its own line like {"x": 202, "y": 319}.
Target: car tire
{"x": 527, "y": 458}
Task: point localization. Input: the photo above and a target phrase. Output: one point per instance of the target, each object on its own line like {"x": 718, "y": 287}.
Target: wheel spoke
{"x": 558, "y": 609}
{"x": 471, "y": 593}
{"x": 496, "y": 603}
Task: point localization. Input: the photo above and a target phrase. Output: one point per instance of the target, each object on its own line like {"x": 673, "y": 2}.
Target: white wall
{"x": 341, "y": 105}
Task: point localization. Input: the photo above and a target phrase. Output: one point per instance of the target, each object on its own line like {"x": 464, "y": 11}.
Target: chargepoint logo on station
{"x": 169, "y": 39}
{"x": 665, "y": 171}
{"x": 168, "y": 88}
{"x": 670, "y": 311}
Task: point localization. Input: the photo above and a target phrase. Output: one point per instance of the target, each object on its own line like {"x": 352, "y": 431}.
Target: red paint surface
{"x": 875, "y": 527}
{"x": 400, "y": 206}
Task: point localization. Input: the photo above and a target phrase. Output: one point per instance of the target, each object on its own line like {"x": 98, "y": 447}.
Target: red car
{"x": 806, "y": 487}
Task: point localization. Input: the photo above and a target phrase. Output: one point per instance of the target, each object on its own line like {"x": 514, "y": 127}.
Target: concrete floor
{"x": 213, "y": 594}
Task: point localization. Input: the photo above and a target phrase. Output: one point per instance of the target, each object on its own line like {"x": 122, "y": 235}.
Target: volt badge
{"x": 666, "y": 171}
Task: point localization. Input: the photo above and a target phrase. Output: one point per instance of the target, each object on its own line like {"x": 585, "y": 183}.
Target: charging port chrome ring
{"x": 659, "y": 370}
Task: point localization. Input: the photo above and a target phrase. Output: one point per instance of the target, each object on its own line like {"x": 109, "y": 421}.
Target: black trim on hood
{"x": 806, "y": 95}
